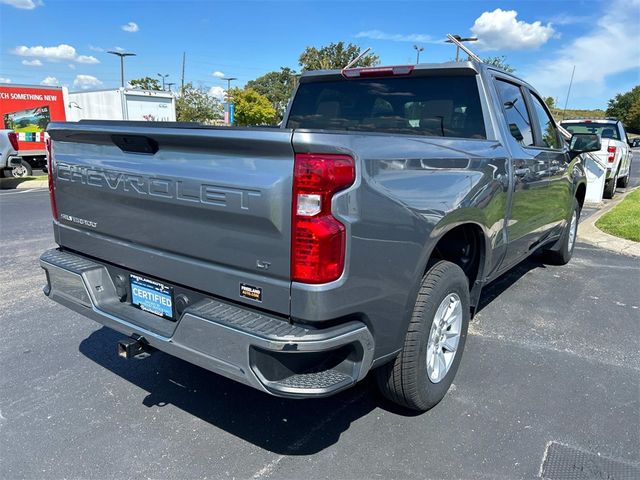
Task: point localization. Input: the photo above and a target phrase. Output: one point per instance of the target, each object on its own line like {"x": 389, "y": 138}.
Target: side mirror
{"x": 584, "y": 143}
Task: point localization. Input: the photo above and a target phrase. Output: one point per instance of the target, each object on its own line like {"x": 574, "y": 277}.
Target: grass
{"x": 624, "y": 220}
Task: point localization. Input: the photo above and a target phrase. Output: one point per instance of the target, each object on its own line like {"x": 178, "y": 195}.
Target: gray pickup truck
{"x": 356, "y": 237}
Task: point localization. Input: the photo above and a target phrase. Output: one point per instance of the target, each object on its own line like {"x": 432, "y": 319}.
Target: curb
{"x": 10, "y": 183}
{"x": 589, "y": 233}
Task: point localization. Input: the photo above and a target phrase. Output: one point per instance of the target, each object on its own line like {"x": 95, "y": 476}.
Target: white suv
{"x": 615, "y": 151}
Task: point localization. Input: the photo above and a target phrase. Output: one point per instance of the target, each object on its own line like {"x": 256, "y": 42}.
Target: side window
{"x": 516, "y": 113}
{"x": 550, "y": 138}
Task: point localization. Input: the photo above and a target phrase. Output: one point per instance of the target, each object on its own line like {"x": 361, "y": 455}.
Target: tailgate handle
{"x": 135, "y": 144}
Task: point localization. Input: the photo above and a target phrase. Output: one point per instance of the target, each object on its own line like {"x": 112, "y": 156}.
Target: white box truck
{"x": 122, "y": 104}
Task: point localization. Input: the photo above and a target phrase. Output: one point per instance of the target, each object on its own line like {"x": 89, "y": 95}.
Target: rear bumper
{"x": 254, "y": 348}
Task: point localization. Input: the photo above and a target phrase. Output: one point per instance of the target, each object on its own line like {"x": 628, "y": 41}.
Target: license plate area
{"x": 152, "y": 296}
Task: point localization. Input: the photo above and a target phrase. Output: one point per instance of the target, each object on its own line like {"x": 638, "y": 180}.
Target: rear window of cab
{"x": 434, "y": 106}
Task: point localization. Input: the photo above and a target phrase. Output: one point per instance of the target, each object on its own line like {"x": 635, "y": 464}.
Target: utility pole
{"x": 418, "y": 50}
{"x": 461, "y": 39}
{"x": 568, "y": 92}
{"x": 169, "y": 85}
{"x": 184, "y": 59}
{"x": 163, "y": 77}
{"x": 122, "y": 55}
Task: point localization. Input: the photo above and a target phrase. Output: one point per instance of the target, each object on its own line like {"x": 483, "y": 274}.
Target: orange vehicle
{"x": 27, "y": 110}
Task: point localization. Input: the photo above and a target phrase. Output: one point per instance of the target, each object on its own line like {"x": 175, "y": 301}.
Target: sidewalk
{"x": 589, "y": 233}
{"x": 13, "y": 183}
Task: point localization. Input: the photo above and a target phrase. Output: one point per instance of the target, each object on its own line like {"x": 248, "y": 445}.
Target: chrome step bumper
{"x": 254, "y": 348}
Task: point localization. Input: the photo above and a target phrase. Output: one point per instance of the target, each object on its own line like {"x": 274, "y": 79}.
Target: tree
{"x": 277, "y": 86}
{"x": 145, "y": 83}
{"x": 196, "y": 105}
{"x": 251, "y": 108}
{"x": 550, "y": 101}
{"x": 626, "y": 107}
{"x": 334, "y": 55}
{"x": 500, "y": 62}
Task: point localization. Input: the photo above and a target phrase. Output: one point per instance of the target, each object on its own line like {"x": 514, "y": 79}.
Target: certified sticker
{"x": 251, "y": 292}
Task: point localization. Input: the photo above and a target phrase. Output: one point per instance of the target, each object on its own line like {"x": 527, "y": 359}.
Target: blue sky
{"x": 64, "y": 42}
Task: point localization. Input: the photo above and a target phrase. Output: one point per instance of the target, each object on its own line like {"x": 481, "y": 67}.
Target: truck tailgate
{"x": 210, "y": 209}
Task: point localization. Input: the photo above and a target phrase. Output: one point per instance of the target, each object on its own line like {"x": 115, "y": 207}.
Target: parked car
{"x": 296, "y": 260}
{"x": 615, "y": 150}
{"x": 8, "y": 148}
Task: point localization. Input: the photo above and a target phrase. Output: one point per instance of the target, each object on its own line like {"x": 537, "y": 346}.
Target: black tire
{"x": 405, "y": 380}
{"x": 610, "y": 187}
{"x": 23, "y": 170}
{"x": 624, "y": 181}
{"x": 562, "y": 251}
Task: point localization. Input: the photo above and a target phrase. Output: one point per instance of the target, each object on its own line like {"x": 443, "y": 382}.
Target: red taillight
{"x": 396, "y": 70}
{"x": 318, "y": 239}
{"x": 52, "y": 188}
{"x": 13, "y": 139}
{"x": 612, "y": 154}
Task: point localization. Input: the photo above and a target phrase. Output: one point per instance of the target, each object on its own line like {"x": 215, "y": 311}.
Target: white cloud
{"x": 32, "y": 63}
{"x": 22, "y": 4}
{"x": 50, "y": 81}
{"x": 5, "y": 80}
{"x": 218, "y": 74}
{"x": 217, "y": 92}
{"x": 605, "y": 51}
{"x": 119, "y": 49}
{"x": 72, "y": 66}
{"x": 87, "y": 59}
{"x": 398, "y": 37}
{"x": 93, "y": 48}
{"x": 130, "y": 27}
{"x": 86, "y": 81}
{"x": 61, "y": 52}
{"x": 501, "y": 30}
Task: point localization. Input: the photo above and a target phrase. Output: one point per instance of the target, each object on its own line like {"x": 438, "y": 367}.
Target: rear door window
{"x": 516, "y": 112}
{"x": 422, "y": 105}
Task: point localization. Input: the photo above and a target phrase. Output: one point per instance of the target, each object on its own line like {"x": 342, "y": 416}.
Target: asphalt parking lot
{"x": 552, "y": 365}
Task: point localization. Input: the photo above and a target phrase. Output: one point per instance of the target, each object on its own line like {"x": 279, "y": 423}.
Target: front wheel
{"x": 421, "y": 374}
{"x": 563, "y": 249}
{"x": 22, "y": 170}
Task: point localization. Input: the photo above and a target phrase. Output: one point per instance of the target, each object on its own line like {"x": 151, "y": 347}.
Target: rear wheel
{"x": 23, "y": 170}
{"x": 610, "y": 187}
{"x": 421, "y": 374}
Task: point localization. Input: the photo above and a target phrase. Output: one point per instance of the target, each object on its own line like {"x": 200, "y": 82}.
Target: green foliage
{"x": 626, "y": 107}
{"x": 277, "y": 86}
{"x": 145, "y": 83}
{"x": 334, "y": 55}
{"x": 550, "y": 101}
{"x": 500, "y": 62}
{"x": 196, "y": 105}
{"x": 251, "y": 108}
{"x": 571, "y": 113}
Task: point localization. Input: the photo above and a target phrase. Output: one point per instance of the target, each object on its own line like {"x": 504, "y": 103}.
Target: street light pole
{"x": 461, "y": 39}
{"x": 163, "y": 77}
{"x": 418, "y": 50}
{"x": 169, "y": 85}
{"x": 122, "y": 55}
{"x": 228, "y": 79}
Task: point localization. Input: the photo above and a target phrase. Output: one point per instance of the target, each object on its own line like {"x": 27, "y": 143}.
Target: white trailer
{"x": 122, "y": 104}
